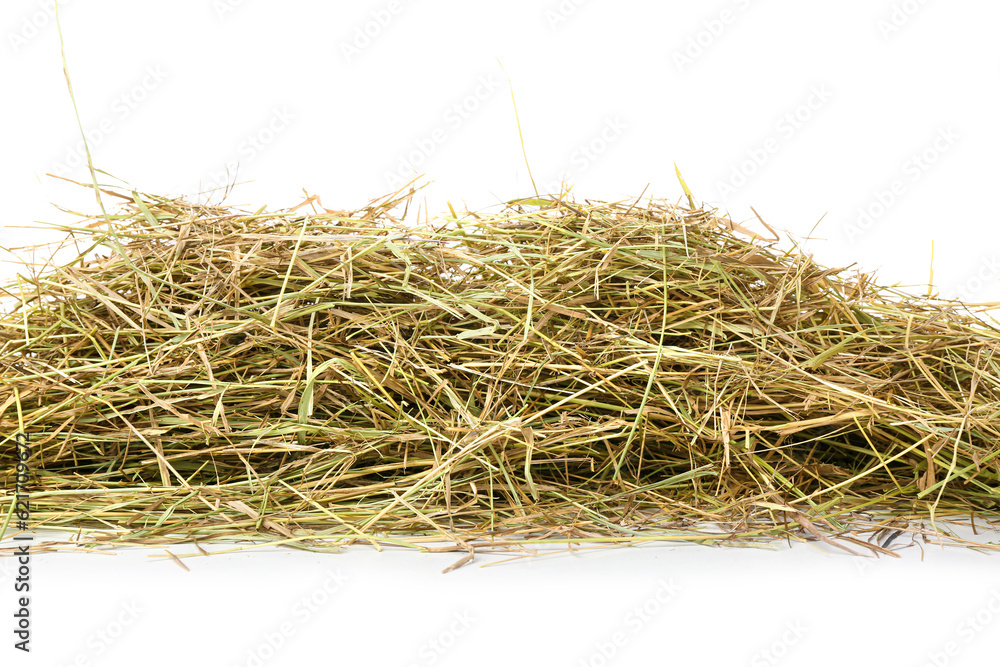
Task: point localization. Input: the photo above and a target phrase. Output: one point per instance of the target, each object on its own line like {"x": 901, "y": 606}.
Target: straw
{"x": 550, "y": 372}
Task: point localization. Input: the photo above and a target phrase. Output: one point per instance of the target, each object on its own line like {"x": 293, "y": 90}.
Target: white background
{"x": 880, "y": 117}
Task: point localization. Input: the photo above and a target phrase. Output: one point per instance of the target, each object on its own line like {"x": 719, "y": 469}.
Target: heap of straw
{"x": 553, "y": 372}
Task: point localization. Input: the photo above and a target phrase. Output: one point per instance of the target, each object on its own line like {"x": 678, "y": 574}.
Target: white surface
{"x": 649, "y": 605}
{"x": 172, "y": 92}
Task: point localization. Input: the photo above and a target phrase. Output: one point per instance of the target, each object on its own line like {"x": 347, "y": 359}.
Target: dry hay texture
{"x": 552, "y": 372}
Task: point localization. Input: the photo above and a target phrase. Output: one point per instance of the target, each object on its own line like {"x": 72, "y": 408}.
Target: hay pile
{"x": 551, "y": 372}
